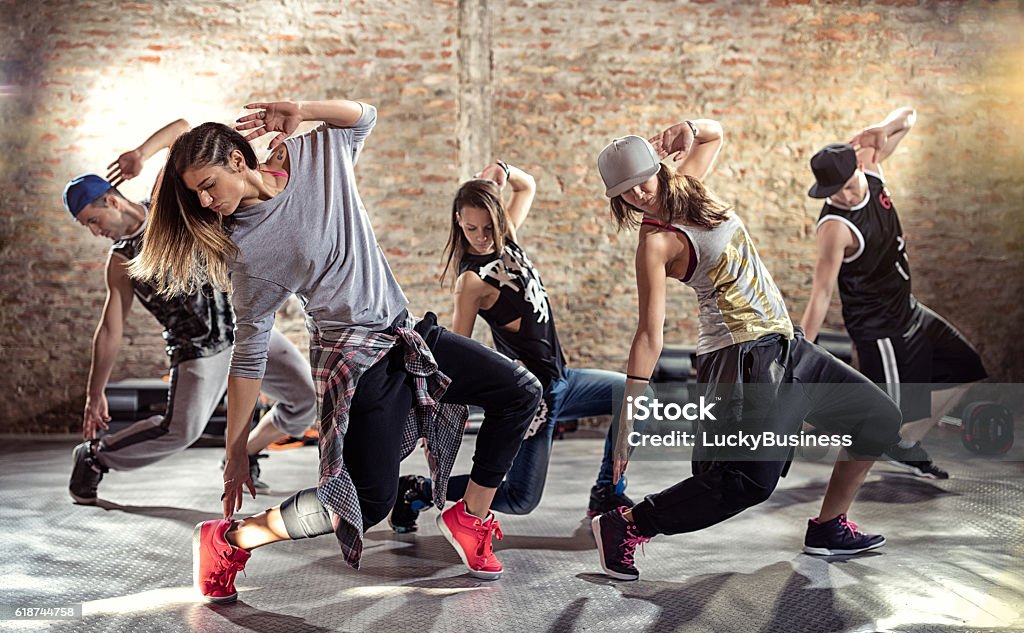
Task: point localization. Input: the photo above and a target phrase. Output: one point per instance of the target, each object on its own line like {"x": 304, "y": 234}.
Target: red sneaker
{"x": 471, "y": 538}
{"x": 215, "y": 562}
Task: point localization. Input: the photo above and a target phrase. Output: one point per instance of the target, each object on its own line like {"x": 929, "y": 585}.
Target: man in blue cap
{"x": 198, "y": 329}
{"x": 923, "y": 362}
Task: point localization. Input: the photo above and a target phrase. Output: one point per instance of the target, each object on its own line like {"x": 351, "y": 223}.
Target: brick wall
{"x": 84, "y": 81}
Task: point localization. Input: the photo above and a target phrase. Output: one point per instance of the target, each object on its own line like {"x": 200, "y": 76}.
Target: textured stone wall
{"x": 543, "y": 85}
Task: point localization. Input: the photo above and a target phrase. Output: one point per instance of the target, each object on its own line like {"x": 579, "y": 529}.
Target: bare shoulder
{"x": 117, "y": 272}
{"x": 470, "y": 282}
{"x": 279, "y": 160}
{"x": 835, "y": 231}
{"x": 660, "y": 243}
{"x": 473, "y": 292}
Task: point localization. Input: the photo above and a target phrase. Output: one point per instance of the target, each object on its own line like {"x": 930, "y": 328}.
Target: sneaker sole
{"x": 197, "y": 539}
{"x": 595, "y": 526}
{"x": 401, "y": 529}
{"x": 83, "y": 501}
{"x": 483, "y": 575}
{"x": 824, "y": 551}
{"x": 913, "y": 470}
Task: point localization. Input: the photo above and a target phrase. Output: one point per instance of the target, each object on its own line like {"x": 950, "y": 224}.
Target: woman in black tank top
{"x": 496, "y": 279}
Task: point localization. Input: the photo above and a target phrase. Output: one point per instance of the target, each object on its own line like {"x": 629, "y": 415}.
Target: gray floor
{"x": 953, "y": 561}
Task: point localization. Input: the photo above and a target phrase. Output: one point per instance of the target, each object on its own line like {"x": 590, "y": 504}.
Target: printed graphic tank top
{"x": 737, "y": 297}
{"x": 521, "y": 296}
{"x": 874, "y": 282}
{"x": 196, "y": 325}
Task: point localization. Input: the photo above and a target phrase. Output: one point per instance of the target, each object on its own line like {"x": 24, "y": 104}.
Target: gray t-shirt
{"x": 313, "y": 239}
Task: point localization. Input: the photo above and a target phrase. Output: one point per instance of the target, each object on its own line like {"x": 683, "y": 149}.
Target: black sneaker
{"x": 254, "y": 472}
{"x": 617, "y": 539}
{"x": 413, "y": 496}
{"x": 86, "y": 473}
{"x": 604, "y": 499}
{"x": 838, "y": 537}
{"x": 916, "y": 461}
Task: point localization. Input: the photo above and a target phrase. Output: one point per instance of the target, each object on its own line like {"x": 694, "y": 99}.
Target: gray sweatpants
{"x": 196, "y": 389}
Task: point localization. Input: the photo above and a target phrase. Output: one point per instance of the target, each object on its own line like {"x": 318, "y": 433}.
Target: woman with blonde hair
{"x": 764, "y": 377}
{"x": 296, "y": 225}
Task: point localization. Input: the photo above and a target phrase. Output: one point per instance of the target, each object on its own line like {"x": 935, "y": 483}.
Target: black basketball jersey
{"x": 521, "y": 296}
{"x": 874, "y": 282}
{"x": 196, "y": 325}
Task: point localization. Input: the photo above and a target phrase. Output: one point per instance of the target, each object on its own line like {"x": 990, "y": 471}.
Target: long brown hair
{"x": 682, "y": 199}
{"x": 482, "y": 194}
{"x": 185, "y": 244}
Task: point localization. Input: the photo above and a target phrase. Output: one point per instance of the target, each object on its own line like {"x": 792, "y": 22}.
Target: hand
{"x": 674, "y": 160}
{"x": 236, "y": 475}
{"x": 493, "y": 172}
{"x": 126, "y": 167}
{"x": 95, "y": 417}
{"x": 619, "y": 469}
{"x": 873, "y": 138}
{"x": 678, "y": 138}
{"x": 281, "y": 117}
{"x": 620, "y": 453}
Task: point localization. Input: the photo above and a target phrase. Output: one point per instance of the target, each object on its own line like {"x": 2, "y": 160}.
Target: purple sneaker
{"x": 617, "y": 540}
{"x": 838, "y": 537}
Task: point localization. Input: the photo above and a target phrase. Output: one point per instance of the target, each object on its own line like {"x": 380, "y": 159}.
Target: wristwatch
{"x": 693, "y": 128}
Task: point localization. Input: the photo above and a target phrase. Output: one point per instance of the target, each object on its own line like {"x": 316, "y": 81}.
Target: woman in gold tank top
{"x": 761, "y": 378}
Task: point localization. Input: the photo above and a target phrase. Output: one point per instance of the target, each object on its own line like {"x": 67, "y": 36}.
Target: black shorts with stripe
{"x": 930, "y": 355}
{"x": 772, "y": 385}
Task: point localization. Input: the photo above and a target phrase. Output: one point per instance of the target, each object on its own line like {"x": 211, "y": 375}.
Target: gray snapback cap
{"x": 625, "y": 163}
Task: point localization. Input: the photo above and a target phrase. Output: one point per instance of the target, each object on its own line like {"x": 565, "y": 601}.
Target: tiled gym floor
{"x": 953, "y": 562}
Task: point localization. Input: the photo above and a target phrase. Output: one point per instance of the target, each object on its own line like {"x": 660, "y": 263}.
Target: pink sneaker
{"x": 471, "y": 538}
{"x": 215, "y": 562}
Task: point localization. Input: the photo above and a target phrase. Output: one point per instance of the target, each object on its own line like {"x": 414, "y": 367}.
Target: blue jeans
{"x": 581, "y": 393}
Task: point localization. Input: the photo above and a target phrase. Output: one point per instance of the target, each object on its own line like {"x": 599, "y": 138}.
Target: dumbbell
{"x": 986, "y": 427}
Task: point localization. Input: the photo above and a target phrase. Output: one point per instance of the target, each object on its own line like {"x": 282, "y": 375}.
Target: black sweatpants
{"x": 507, "y": 392}
{"x": 767, "y": 385}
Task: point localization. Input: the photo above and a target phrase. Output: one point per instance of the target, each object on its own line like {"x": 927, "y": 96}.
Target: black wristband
{"x": 504, "y": 167}
{"x": 632, "y": 377}
{"x": 693, "y": 128}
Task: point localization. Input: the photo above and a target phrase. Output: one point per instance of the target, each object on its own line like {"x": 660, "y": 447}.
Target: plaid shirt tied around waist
{"x": 338, "y": 359}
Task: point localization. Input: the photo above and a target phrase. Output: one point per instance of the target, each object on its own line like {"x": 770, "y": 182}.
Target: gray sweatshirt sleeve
{"x": 255, "y": 302}
{"x": 355, "y": 136}
{"x": 363, "y": 126}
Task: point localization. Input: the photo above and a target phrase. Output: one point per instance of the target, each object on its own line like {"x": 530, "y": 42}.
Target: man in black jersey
{"x": 198, "y": 329}
{"x": 861, "y": 245}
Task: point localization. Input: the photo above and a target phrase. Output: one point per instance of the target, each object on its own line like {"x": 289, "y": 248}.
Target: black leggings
{"x": 508, "y": 394}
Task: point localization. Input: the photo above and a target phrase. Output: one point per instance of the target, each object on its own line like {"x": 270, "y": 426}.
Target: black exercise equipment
{"x": 986, "y": 428}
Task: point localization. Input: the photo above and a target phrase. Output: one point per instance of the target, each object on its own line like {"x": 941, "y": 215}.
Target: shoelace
{"x": 227, "y": 568}
{"x": 849, "y": 525}
{"x": 629, "y": 544}
{"x": 488, "y": 531}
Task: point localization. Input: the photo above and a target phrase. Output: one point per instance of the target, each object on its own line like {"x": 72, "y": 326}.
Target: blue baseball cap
{"x": 81, "y": 191}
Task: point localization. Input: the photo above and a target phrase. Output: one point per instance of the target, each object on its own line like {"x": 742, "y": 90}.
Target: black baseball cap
{"x": 833, "y": 165}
